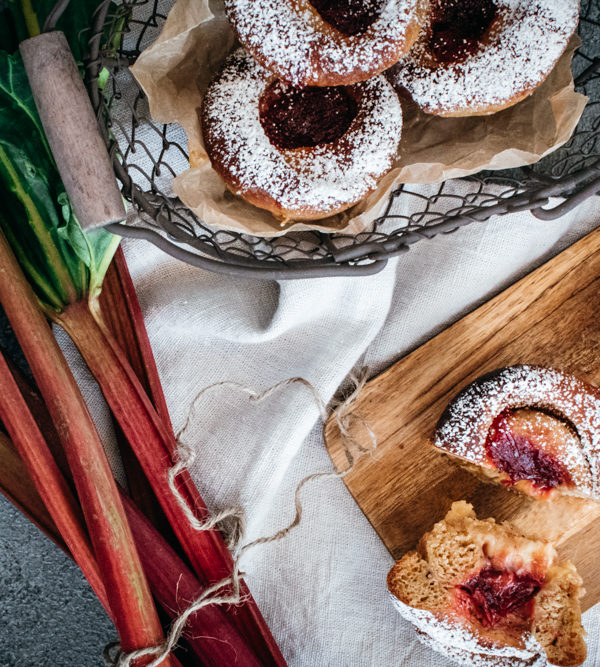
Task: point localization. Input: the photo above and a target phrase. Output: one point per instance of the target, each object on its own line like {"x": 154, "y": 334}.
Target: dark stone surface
{"x": 48, "y": 613}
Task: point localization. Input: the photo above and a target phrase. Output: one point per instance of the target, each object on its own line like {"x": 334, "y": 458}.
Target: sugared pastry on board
{"x": 477, "y": 57}
{"x": 534, "y": 429}
{"x": 324, "y": 43}
{"x": 482, "y": 594}
{"x": 301, "y": 153}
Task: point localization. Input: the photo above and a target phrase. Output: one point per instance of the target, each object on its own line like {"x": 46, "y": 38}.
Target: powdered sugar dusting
{"x": 525, "y": 41}
{"x": 464, "y": 427}
{"x": 464, "y": 657}
{"x": 290, "y": 37}
{"x": 456, "y": 639}
{"x": 322, "y": 178}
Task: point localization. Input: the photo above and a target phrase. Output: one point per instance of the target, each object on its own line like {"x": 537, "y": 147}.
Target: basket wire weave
{"x": 413, "y": 213}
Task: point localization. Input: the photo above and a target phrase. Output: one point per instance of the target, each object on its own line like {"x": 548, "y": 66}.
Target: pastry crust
{"x": 511, "y": 59}
{"x": 426, "y": 586}
{"x": 297, "y": 183}
{"x": 292, "y": 39}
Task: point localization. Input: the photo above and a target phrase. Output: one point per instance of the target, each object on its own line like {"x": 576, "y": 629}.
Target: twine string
{"x": 231, "y": 520}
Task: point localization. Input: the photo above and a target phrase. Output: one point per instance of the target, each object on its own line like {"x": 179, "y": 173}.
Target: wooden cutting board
{"x": 551, "y": 318}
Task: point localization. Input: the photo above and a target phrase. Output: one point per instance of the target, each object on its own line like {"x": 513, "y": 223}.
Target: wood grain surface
{"x": 551, "y": 317}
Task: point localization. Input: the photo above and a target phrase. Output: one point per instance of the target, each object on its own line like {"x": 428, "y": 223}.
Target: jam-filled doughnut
{"x": 477, "y": 57}
{"x": 531, "y": 428}
{"x": 483, "y": 594}
{"x": 325, "y": 42}
{"x": 301, "y": 153}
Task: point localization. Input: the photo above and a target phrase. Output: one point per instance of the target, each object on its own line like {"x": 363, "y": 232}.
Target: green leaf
{"x": 20, "y": 19}
{"x": 18, "y": 112}
{"x": 12, "y": 27}
{"x": 76, "y": 22}
{"x": 62, "y": 262}
{"x": 94, "y": 248}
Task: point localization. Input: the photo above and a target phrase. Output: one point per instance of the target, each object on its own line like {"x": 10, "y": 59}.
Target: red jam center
{"x": 305, "y": 117}
{"x": 457, "y": 26}
{"x": 350, "y": 17}
{"x": 516, "y": 453}
{"x": 491, "y": 595}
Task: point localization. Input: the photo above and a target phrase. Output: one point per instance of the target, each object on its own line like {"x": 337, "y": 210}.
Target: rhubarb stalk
{"x": 128, "y": 594}
{"x": 154, "y": 445}
{"x": 122, "y": 313}
{"x": 123, "y": 317}
{"x": 66, "y": 268}
{"x": 16, "y": 485}
{"x": 120, "y": 310}
{"x": 50, "y": 484}
{"x": 174, "y": 586}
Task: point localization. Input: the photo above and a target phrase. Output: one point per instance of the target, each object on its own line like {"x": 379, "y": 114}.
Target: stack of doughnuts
{"x": 302, "y": 121}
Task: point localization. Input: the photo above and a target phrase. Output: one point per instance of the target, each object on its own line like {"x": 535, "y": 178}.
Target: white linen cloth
{"x": 322, "y": 589}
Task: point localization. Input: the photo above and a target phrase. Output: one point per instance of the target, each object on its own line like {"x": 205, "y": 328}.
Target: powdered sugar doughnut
{"x": 324, "y": 43}
{"x": 476, "y": 57}
{"x": 479, "y": 427}
{"x": 302, "y": 154}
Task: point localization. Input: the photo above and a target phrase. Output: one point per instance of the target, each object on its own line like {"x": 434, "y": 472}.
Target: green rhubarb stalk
{"x": 20, "y": 19}
{"x": 31, "y": 19}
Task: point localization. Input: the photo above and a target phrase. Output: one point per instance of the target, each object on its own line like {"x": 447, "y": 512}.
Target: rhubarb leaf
{"x": 94, "y": 248}
{"x": 12, "y": 26}
{"x": 61, "y": 260}
{"x": 20, "y": 19}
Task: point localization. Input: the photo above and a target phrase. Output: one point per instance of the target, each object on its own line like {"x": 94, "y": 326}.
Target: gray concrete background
{"x": 48, "y": 613}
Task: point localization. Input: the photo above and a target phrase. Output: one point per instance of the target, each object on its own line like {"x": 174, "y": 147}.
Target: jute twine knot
{"x": 231, "y": 521}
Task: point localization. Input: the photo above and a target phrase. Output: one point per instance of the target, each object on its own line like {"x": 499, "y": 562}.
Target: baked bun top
{"x": 476, "y": 57}
{"x": 302, "y": 153}
{"x": 477, "y": 426}
{"x": 320, "y": 43}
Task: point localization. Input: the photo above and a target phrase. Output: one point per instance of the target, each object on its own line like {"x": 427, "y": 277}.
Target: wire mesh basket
{"x": 549, "y": 189}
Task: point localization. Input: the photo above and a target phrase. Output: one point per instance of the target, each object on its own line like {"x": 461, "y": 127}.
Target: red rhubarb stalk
{"x": 17, "y": 486}
{"x": 214, "y": 638}
{"x": 38, "y": 410}
{"x": 129, "y": 597}
{"x": 49, "y": 482}
{"x": 122, "y": 313}
{"x": 122, "y": 317}
{"x": 175, "y": 587}
{"x": 208, "y": 632}
{"x": 154, "y": 444}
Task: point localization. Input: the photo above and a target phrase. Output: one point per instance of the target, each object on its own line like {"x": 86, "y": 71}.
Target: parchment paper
{"x": 176, "y": 70}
